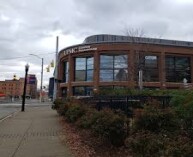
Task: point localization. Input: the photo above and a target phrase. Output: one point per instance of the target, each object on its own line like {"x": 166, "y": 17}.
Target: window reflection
{"x": 177, "y": 68}
{"x": 80, "y": 63}
{"x": 106, "y": 62}
{"x": 120, "y": 74}
{"x": 90, "y": 63}
{"x": 84, "y": 69}
{"x": 113, "y": 67}
{"x": 151, "y": 71}
{"x": 82, "y": 91}
{"x": 106, "y": 75}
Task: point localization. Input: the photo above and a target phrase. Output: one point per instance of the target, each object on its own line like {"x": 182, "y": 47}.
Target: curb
{"x": 8, "y": 116}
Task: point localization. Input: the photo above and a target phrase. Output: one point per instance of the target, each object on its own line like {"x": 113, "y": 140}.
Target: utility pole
{"x": 56, "y": 71}
{"x": 42, "y": 70}
{"x": 42, "y": 66}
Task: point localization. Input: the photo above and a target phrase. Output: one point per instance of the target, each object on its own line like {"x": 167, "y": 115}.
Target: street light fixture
{"x": 24, "y": 89}
{"x": 41, "y": 74}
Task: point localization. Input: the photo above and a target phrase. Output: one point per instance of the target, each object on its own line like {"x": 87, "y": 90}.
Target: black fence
{"x": 127, "y": 103}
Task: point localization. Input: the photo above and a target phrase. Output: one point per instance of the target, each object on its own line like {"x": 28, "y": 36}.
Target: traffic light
{"x": 52, "y": 64}
{"x": 14, "y": 77}
{"x": 48, "y": 68}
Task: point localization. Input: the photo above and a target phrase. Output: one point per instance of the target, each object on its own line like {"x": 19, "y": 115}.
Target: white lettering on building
{"x": 79, "y": 49}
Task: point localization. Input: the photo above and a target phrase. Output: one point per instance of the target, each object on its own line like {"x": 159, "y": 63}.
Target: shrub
{"x": 114, "y": 92}
{"x": 89, "y": 118}
{"x": 177, "y": 100}
{"x": 185, "y": 116}
{"x": 110, "y": 126}
{"x": 156, "y": 120}
{"x": 63, "y": 108}
{"x": 146, "y": 144}
{"x": 57, "y": 103}
{"x": 74, "y": 112}
{"x": 179, "y": 147}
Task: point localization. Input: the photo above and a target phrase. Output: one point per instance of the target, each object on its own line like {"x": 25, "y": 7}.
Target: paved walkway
{"x": 33, "y": 133}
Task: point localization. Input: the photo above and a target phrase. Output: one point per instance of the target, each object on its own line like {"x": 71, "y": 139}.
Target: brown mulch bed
{"x": 83, "y": 143}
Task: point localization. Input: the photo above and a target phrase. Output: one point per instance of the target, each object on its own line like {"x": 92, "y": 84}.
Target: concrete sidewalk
{"x": 33, "y": 133}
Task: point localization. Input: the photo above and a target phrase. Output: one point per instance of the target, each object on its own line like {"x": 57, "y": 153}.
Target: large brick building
{"x": 104, "y": 61}
{"x": 14, "y": 87}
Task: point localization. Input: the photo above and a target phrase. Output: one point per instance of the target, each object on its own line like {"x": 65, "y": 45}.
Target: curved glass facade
{"x": 110, "y": 61}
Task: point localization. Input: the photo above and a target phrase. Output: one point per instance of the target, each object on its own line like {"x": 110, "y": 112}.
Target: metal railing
{"x": 126, "y": 103}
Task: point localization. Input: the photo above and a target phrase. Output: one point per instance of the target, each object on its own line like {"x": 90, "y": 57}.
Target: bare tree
{"x": 138, "y": 37}
{"x": 134, "y": 33}
{"x": 134, "y": 36}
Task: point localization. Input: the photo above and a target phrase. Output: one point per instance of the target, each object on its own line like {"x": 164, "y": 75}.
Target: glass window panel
{"x": 121, "y": 61}
{"x": 151, "y": 75}
{"x": 179, "y": 70}
{"x": 66, "y": 77}
{"x": 80, "y": 75}
{"x": 82, "y": 91}
{"x": 90, "y": 63}
{"x": 170, "y": 62}
{"x": 89, "y": 75}
{"x": 66, "y": 67}
{"x": 80, "y": 63}
{"x": 181, "y": 63}
{"x": 120, "y": 65}
{"x": 84, "y": 69}
{"x": 79, "y": 91}
{"x": 151, "y": 61}
{"x": 120, "y": 75}
{"x": 170, "y": 76}
{"x": 113, "y": 67}
{"x": 88, "y": 91}
{"x": 106, "y": 61}
{"x": 106, "y": 75}
{"x": 151, "y": 71}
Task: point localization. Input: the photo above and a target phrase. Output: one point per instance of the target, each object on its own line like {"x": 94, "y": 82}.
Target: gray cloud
{"x": 28, "y": 26}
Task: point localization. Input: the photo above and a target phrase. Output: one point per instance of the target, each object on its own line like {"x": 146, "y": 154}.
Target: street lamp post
{"x": 41, "y": 75}
{"x": 24, "y": 89}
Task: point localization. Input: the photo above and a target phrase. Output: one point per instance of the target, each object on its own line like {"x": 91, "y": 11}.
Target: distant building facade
{"x": 111, "y": 61}
{"x": 14, "y": 87}
{"x": 51, "y": 88}
{"x": 32, "y": 85}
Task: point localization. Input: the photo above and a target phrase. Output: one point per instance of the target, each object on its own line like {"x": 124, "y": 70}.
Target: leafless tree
{"x": 134, "y": 36}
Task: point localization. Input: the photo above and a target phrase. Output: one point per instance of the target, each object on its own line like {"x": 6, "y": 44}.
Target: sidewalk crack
{"x": 22, "y": 139}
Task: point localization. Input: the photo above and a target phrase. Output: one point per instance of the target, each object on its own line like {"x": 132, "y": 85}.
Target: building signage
{"x": 151, "y": 57}
{"x": 31, "y": 79}
{"x": 80, "y": 49}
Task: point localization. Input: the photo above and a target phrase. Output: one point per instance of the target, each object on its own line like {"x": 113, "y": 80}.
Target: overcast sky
{"x": 31, "y": 26}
